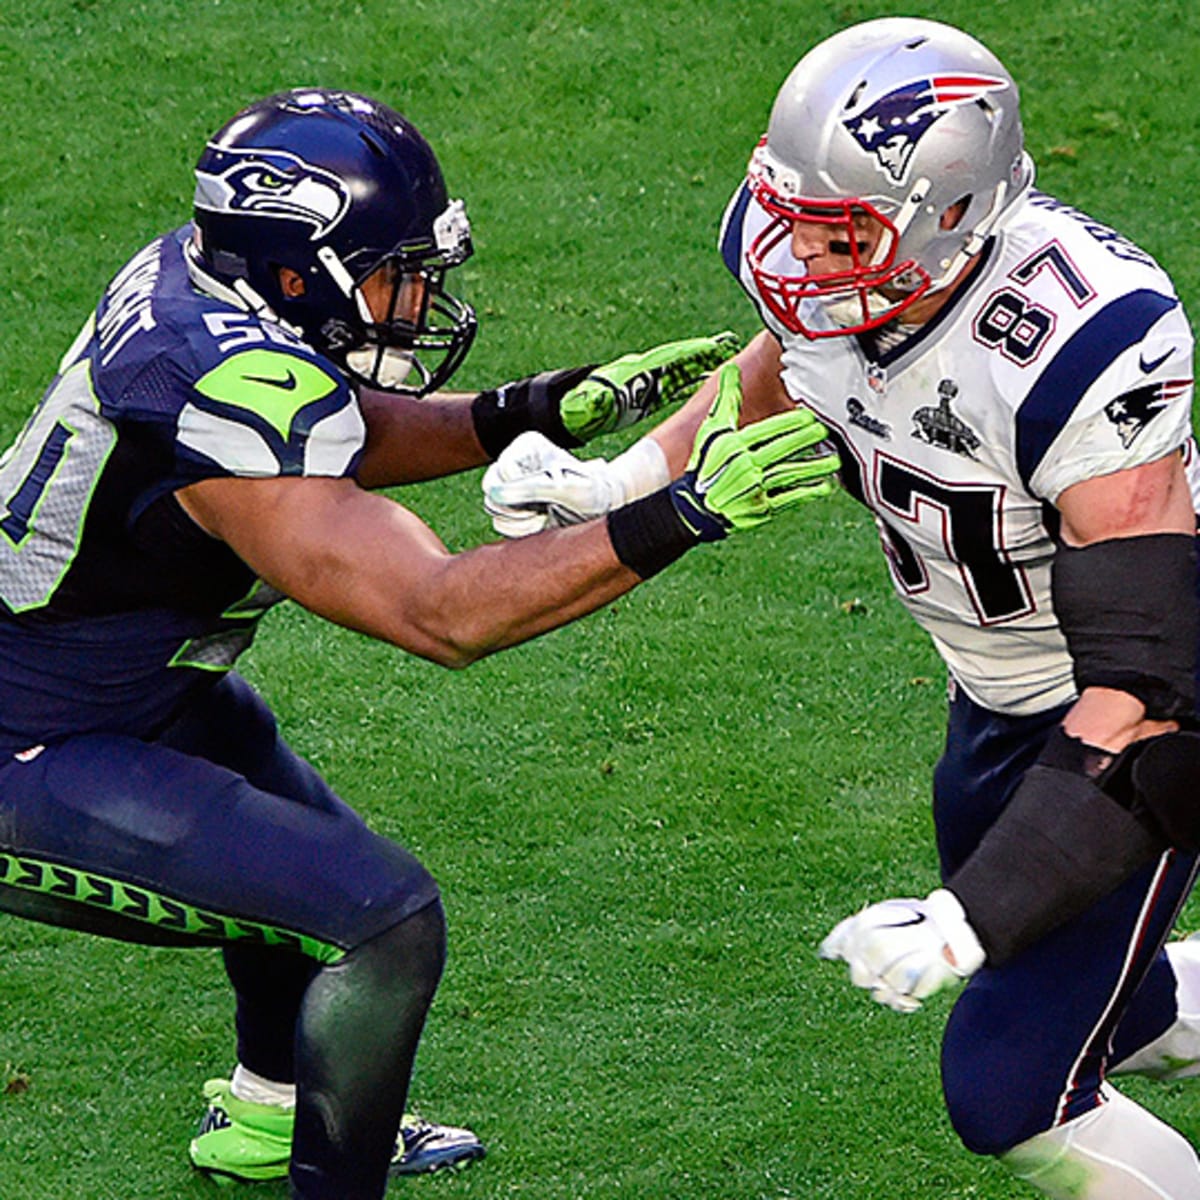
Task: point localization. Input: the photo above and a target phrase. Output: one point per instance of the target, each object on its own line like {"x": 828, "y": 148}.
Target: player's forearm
{"x": 364, "y": 562}
{"x": 504, "y": 593}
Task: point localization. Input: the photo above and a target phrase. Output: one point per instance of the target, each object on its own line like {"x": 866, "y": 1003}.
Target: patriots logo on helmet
{"x": 272, "y": 183}
{"x": 891, "y": 127}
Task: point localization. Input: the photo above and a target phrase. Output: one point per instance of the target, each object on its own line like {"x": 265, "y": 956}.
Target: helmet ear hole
{"x": 291, "y": 283}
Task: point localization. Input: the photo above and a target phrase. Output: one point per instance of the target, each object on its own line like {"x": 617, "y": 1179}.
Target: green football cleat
{"x": 238, "y": 1140}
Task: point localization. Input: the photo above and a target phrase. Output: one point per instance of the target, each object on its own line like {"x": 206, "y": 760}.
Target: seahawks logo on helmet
{"x": 272, "y": 183}
{"x": 891, "y": 127}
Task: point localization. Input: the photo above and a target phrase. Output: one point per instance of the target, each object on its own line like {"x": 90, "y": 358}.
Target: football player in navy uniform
{"x": 206, "y": 448}
{"x": 1009, "y": 384}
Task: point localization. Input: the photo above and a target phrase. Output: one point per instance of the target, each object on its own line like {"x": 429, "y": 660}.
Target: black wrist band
{"x": 648, "y": 534}
{"x": 502, "y": 413}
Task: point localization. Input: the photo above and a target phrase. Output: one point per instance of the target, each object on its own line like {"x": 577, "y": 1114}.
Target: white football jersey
{"x": 1067, "y": 356}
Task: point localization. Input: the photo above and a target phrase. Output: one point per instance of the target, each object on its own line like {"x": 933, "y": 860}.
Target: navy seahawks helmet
{"x": 340, "y": 189}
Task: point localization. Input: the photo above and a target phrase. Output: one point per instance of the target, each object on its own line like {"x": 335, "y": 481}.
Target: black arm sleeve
{"x": 1127, "y": 608}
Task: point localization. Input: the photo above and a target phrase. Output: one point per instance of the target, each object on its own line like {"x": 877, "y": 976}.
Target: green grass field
{"x": 643, "y": 824}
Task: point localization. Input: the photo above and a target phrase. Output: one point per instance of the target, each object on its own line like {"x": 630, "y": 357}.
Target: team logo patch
{"x": 942, "y": 428}
{"x": 272, "y": 183}
{"x": 859, "y": 416}
{"x": 1134, "y": 410}
{"x": 890, "y": 127}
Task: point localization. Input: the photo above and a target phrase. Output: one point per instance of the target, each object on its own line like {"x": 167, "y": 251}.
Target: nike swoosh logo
{"x": 704, "y": 486}
{"x": 286, "y": 384}
{"x": 917, "y": 920}
{"x": 1154, "y": 364}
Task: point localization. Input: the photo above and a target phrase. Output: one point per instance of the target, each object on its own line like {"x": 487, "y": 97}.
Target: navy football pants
{"x": 213, "y": 833}
{"x": 1027, "y": 1044}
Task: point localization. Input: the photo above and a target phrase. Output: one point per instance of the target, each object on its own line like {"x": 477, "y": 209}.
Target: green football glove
{"x": 634, "y": 386}
{"x": 739, "y": 478}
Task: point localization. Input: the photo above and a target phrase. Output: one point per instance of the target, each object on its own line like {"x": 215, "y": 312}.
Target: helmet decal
{"x": 891, "y": 126}
{"x": 273, "y": 183}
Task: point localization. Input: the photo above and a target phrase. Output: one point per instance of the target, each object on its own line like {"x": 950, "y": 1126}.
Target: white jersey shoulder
{"x": 1068, "y": 356}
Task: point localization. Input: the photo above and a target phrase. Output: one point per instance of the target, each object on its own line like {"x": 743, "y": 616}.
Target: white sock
{"x": 1115, "y": 1152}
{"x": 1174, "y": 1054}
{"x": 254, "y": 1089}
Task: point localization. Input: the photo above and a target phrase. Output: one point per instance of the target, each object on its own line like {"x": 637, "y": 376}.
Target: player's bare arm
{"x": 368, "y": 563}
{"x": 411, "y": 439}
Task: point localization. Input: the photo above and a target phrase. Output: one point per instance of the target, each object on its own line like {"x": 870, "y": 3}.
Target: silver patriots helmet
{"x": 899, "y": 120}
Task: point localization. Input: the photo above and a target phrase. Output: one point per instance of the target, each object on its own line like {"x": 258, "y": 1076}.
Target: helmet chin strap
{"x": 328, "y": 258}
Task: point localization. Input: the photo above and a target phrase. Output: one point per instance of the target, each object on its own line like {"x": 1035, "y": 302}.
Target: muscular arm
{"x": 365, "y": 562}
{"x": 1078, "y": 824}
{"x": 763, "y": 393}
{"x": 1153, "y": 498}
{"x": 412, "y": 439}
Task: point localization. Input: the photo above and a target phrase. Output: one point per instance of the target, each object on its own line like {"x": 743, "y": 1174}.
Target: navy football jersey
{"x": 113, "y": 603}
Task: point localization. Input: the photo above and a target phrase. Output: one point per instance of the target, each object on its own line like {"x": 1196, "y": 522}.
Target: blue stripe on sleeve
{"x": 731, "y": 233}
{"x": 1087, "y": 354}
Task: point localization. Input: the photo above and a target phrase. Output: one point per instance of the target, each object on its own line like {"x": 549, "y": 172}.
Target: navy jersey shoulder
{"x": 228, "y": 390}
{"x": 110, "y": 597}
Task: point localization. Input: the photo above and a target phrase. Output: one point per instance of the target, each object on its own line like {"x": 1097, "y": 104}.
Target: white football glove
{"x": 536, "y": 485}
{"x": 902, "y": 951}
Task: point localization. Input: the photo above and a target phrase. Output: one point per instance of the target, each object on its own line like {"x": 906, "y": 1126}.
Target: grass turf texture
{"x": 642, "y": 824}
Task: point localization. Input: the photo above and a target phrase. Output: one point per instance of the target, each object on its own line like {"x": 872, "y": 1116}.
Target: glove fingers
{"x": 784, "y": 433}
{"x": 516, "y": 522}
{"x": 728, "y": 405}
{"x": 799, "y": 462}
{"x": 708, "y": 454}
{"x": 537, "y": 489}
{"x": 694, "y": 360}
{"x": 629, "y": 388}
{"x": 784, "y": 477}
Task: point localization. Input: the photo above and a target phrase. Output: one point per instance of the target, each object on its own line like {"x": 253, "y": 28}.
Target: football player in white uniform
{"x": 1009, "y": 384}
